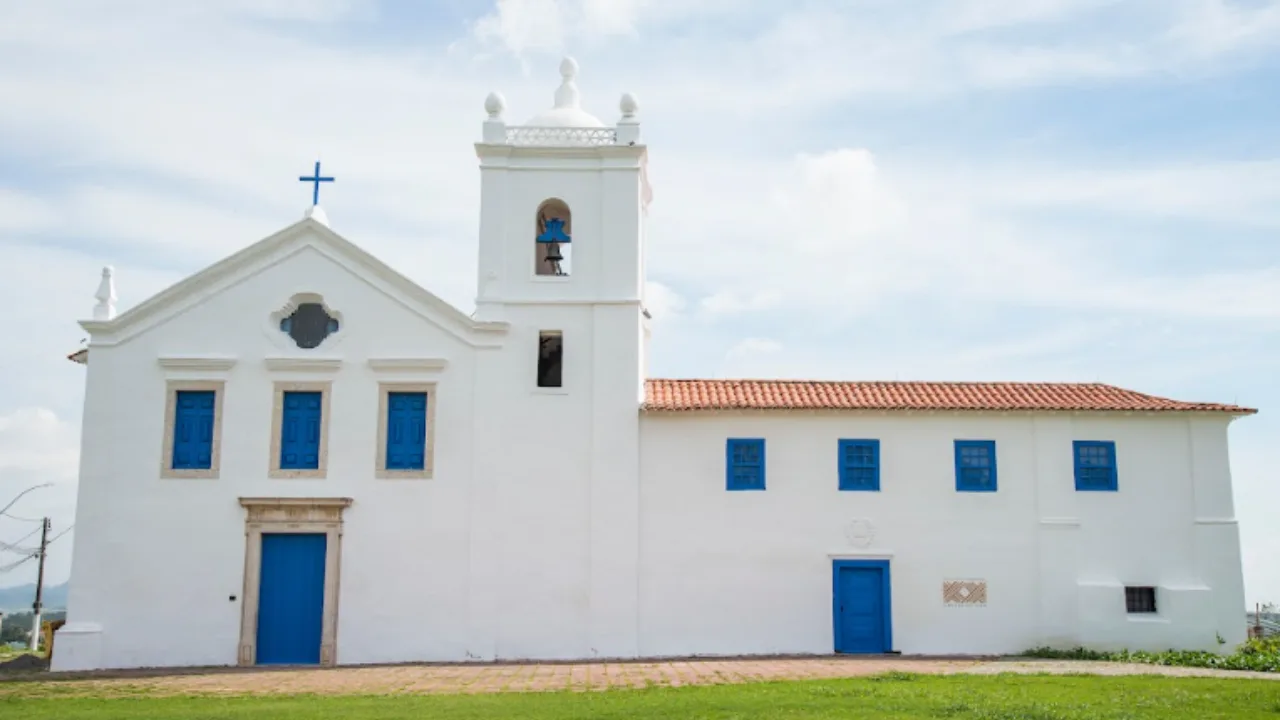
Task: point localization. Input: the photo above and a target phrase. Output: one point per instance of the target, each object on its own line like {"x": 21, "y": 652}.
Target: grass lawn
{"x": 899, "y": 695}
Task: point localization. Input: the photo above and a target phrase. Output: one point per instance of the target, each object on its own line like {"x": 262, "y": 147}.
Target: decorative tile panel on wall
{"x": 972, "y": 593}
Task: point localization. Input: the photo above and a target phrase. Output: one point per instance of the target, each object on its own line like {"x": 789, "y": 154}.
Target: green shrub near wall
{"x": 1258, "y": 654}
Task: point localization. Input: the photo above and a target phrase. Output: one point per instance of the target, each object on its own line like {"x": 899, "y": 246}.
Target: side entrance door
{"x": 861, "y": 606}
{"x": 291, "y": 599}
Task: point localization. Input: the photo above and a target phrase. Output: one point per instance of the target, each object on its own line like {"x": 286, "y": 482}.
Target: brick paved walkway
{"x": 396, "y": 679}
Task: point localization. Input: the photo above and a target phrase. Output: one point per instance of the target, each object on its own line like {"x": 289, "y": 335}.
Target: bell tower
{"x": 563, "y": 199}
{"x": 562, "y": 217}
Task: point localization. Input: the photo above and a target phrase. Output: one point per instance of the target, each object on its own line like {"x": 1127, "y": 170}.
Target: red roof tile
{"x": 679, "y": 395}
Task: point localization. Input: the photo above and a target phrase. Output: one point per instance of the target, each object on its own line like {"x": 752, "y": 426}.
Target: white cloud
{"x": 525, "y": 24}
{"x": 522, "y": 26}
{"x": 661, "y": 301}
{"x": 1237, "y": 192}
{"x": 835, "y": 233}
{"x": 34, "y": 439}
{"x": 750, "y": 358}
{"x": 1211, "y": 27}
{"x": 730, "y": 303}
{"x": 21, "y": 212}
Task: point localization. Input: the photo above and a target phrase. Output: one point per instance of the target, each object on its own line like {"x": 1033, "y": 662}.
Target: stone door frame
{"x": 291, "y": 515}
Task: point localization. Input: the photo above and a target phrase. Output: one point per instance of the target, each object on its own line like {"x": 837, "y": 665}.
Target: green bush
{"x": 1261, "y": 655}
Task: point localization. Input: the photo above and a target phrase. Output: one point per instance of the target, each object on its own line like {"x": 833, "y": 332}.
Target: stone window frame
{"x": 325, "y": 388}
{"x": 385, "y": 388}
{"x": 274, "y": 515}
{"x": 167, "y": 471}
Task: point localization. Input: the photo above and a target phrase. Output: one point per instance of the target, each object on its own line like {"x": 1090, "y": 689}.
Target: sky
{"x": 1071, "y": 190}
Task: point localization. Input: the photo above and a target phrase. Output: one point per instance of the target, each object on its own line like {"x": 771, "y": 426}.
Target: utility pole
{"x": 35, "y": 607}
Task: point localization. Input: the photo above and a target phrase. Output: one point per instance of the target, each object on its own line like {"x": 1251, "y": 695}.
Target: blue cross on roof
{"x": 315, "y": 180}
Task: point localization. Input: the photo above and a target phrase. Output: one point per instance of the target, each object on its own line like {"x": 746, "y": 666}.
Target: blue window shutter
{"x": 300, "y": 431}
{"x": 859, "y": 464}
{"x": 1095, "y": 465}
{"x": 975, "y": 466}
{"x": 406, "y": 430}
{"x": 744, "y": 464}
{"x": 193, "y": 429}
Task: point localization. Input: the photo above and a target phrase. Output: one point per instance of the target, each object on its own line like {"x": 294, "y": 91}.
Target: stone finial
{"x": 315, "y": 212}
{"x": 494, "y": 105}
{"x": 628, "y": 132}
{"x": 106, "y": 296}
{"x": 628, "y": 105}
{"x": 495, "y": 128}
{"x": 567, "y": 95}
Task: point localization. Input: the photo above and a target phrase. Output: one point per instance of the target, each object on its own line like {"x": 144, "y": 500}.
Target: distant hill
{"x": 19, "y": 597}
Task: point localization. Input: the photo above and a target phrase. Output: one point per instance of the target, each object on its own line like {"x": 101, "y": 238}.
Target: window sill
{"x": 1153, "y": 618}
{"x": 550, "y": 391}
{"x": 384, "y": 474}
{"x": 296, "y": 474}
{"x": 551, "y": 278}
{"x": 189, "y": 474}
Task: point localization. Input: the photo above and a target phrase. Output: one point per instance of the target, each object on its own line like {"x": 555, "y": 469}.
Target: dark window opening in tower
{"x": 552, "y": 239}
{"x": 550, "y": 359}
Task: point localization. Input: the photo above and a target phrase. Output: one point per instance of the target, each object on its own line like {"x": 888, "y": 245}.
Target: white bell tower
{"x": 563, "y": 200}
{"x": 562, "y": 212}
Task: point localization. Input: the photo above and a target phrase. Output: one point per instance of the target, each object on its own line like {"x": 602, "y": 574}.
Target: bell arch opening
{"x": 552, "y": 239}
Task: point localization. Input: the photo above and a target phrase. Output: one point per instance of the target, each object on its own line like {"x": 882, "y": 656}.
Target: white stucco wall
{"x": 156, "y": 560}
{"x": 564, "y": 523}
{"x": 750, "y": 572}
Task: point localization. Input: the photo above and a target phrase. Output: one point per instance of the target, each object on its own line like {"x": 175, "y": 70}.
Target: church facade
{"x": 299, "y": 456}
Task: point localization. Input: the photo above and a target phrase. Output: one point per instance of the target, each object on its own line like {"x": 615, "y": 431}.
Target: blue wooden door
{"x": 862, "y": 606}
{"x": 291, "y": 599}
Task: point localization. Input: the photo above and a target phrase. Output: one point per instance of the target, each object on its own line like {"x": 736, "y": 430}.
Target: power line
{"x": 18, "y": 497}
{"x": 18, "y": 563}
{"x": 21, "y": 519}
{"x": 35, "y": 552}
{"x": 14, "y": 546}
{"x": 64, "y": 532}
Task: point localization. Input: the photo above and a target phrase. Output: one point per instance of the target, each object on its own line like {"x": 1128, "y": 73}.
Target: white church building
{"x": 299, "y": 456}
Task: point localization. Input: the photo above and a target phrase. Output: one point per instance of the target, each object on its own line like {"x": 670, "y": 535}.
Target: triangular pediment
{"x": 307, "y": 234}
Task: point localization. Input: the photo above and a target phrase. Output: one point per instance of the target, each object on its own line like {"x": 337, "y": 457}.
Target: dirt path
{"x": 395, "y": 679}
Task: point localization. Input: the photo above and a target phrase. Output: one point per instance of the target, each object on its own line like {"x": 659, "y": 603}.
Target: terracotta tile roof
{"x": 680, "y": 395}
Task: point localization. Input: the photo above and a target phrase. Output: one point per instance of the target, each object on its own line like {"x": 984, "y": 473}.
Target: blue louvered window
{"x": 193, "y": 429}
{"x": 406, "y": 430}
{"x": 975, "y": 466}
{"x": 859, "y": 465}
{"x": 745, "y": 464}
{"x": 300, "y": 430}
{"x": 1095, "y": 465}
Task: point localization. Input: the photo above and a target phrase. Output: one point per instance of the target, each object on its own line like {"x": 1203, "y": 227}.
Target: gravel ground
{"x": 475, "y": 678}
